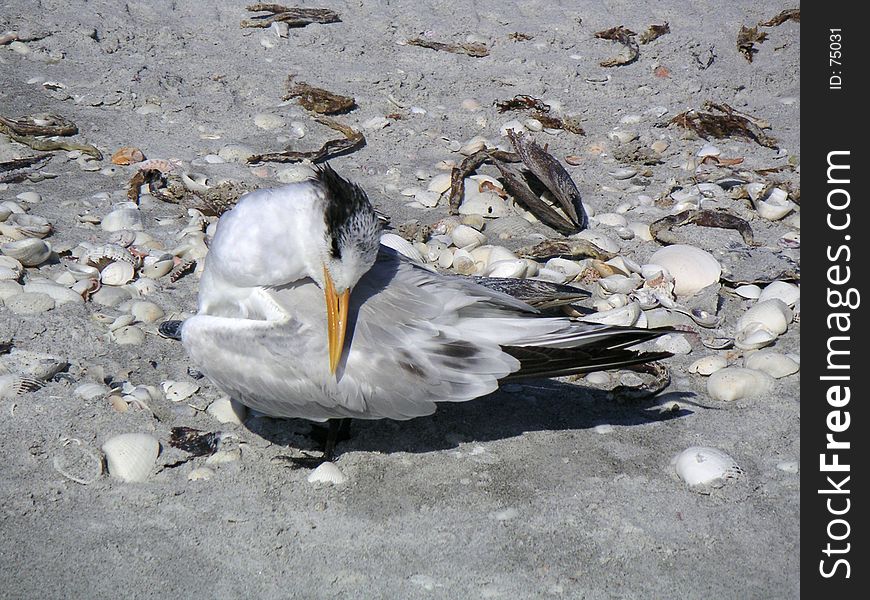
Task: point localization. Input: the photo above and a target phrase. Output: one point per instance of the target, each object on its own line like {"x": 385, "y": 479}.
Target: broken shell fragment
{"x": 708, "y": 365}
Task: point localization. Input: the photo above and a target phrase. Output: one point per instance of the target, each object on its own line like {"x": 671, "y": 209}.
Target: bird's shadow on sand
{"x": 538, "y": 405}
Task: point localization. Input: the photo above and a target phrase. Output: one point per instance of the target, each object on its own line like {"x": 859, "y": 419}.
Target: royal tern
{"x": 302, "y": 313}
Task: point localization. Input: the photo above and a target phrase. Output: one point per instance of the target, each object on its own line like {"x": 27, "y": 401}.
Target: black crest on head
{"x": 346, "y": 204}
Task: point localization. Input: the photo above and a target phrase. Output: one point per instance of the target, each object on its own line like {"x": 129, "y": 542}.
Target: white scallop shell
{"x": 30, "y": 252}
{"x": 789, "y": 293}
{"x": 100, "y": 256}
{"x": 131, "y": 456}
{"x": 625, "y": 316}
{"x": 693, "y": 269}
{"x": 774, "y": 315}
{"x": 122, "y": 218}
{"x": 464, "y": 236}
{"x": 117, "y": 273}
{"x": 708, "y": 365}
{"x": 700, "y": 465}
{"x": 773, "y": 363}
{"x": 176, "y": 391}
{"x": 738, "y": 383}
{"x": 327, "y": 472}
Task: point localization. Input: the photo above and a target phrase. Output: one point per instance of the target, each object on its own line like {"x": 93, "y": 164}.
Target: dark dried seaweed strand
{"x": 566, "y": 248}
{"x": 522, "y": 102}
{"x": 661, "y": 229}
{"x": 569, "y": 124}
{"x": 468, "y": 167}
{"x": 523, "y": 194}
{"x": 294, "y": 17}
{"x": 553, "y": 175}
{"x": 654, "y": 32}
{"x": 626, "y": 38}
{"x": 730, "y": 124}
{"x": 59, "y": 126}
{"x": 18, "y": 169}
{"x": 472, "y": 49}
{"x": 747, "y": 37}
{"x": 790, "y": 14}
{"x": 319, "y": 100}
{"x": 353, "y": 140}
{"x": 194, "y": 441}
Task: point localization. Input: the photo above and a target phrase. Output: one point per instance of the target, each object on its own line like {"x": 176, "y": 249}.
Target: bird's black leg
{"x": 338, "y": 430}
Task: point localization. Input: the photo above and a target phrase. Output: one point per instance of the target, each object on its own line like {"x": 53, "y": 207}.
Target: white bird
{"x": 302, "y": 313}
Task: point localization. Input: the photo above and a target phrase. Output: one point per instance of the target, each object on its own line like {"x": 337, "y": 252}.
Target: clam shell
{"x": 773, "y": 363}
{"x": 605, "y": 242}
{"x": 496, "y": 254}
{"x": 701, "y": 465}
{"x": 693, "y": 269}
{"x": 753, "y": 337}
{"x": 30, "y": 252}
{"x": 23, "y": 226}
{"x": 131, "y": 456}
{"x": 738, "y": 383}
{"x": 620, "y": 284}
{"x": 708, "y": 365}
{"x": 122, "y": 218}
{"x": 464, "y": 236}
{"x": 327, "y": 472}
{"x": 439, "y": 184}
{"x": 117, "y": 273}
{"x": 10, "y": 268}
{"x": 226, "y": 410}
{"x": 162, "y": 265}
{"x": 789, "y": 293}
{"x": 750, "y": 292}
{"x": 625, "y": 316}
{"x": 774, "y": 315}
{"x": 506, "y": 268}
{"x": 463, "y": 262}
{"x": 176, "y": 391}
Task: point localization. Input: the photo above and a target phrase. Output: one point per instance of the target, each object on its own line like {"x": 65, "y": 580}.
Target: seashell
{"x": 117, "y": 273}
{"x": 624, "y": 173}
{"x": 506, "y": 268}
{"x": 433, "y": 250}
{"x": 568, "y": 268}
{"x": 512, "y": 125}
{"x": 546, "y": 274}
{"x": 129, "y": 335}
{"x": 623, "y": 137}
{"x": 464, "y": 236}
{"x": 640, "y": 230}
{"x": 708, "y": 364}
{"x": 445, "y": 259}
{"x": 463, "y": 262}
{"x": 101, "y": 256}
{"x": 131, "y": 457}
{"x": 673, "y": 343}
{"x": 146, "y": 312}
{"x": 738, "y": 383}
{"x": 620, "y": 284}
{"x": 390, "y": 240}
{"x": 427, "y": 199}
{"x": 10, "y": 268}
{"x": 123, "y": 238}
{"x": 750, "y": 292}
{"x": 59, "y": 293}
{"x": 226, "y": 410}
{"x": 196, "y": 182}
{"x": 160, "y": 266}
{"x": 708, "y": 150}
{"x": 606, "y": 243}
{"x": 12, "y": 386}
{"x": 327, "y": 472}
{"x": 30, "y": 197}
{"x": 30, "y": 252}
{"x": 773, "y": 210}
{"x": 788, "y": 293}
{"x": 702, "y": 466}
{"x": 440, "y": 183}
{"x": 475, "y": 144}
{"x": 773, "y": 363}
{"x": 473, "y": 221}
{"x": 753, "y": 337}
{"x": 612, "y": 219}
{"x": 122, "y": 218}
{"x": 176, "y": 391}
{"x": 22, "y": 225}
{"x": 77, "y": 462}
{"x": 598, "y": 378}
{"x": 127, "y": 156}
{"x": 774, "y": 315}
{"x": 495, "y": 254}
{"x": 532, "y": 267}
{"x": 205, "y": 473}
{"x": 485, "y": 204}
{"x": 533, "y": 125}
{"x": 693, "y": 269}
{"x": 625, "y": 316}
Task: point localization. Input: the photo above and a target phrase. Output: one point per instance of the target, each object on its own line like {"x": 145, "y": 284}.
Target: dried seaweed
{"x": 570, "y": 124}
{"x": 19, "y": 169}
{"x": 468, "y": 167}
{"x": 747, "y": 37}
{"x": 553, "y": 175}
{"x": 30, "y": 132}
{"x": 790, "y": 14}
{"x": 661, "y": 229}
{"x": 565, "y": 248}
{"x": 317, "y": 99}
{"x": 625, "y": 37}
{"x": 353, "y": 140}
{"x": 522, "y": 102}
{"x": 654, "y": 32}
{"x": 474, "y": 49}
{"x": 728, "y": 123}
{"x": 294, "y": 17}
{"x": 517, "y": 36}
{"x": 194, "y": 441}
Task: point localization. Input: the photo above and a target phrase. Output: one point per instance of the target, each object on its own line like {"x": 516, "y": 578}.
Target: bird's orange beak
{"x": 336, "y": 320}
